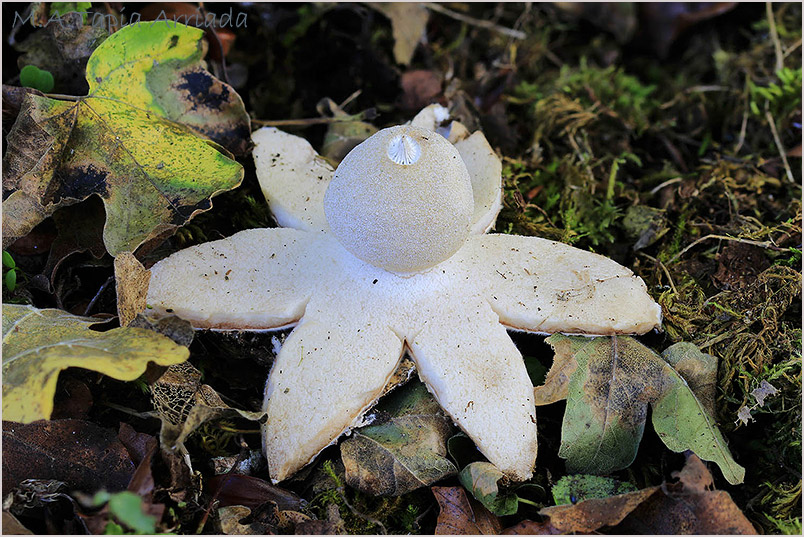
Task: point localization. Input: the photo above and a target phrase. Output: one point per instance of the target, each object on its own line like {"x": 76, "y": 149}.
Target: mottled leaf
{"x": 461, "y": 515}
{"x": 131, "y": 141}
{"x": 482, "y": 480}
{"x": 38, "y": 344}
{"x": 697, "y": 368}
{"x": 608, "y": 392}
{"x": 403, "y": 452}
{"x": 577, "y": 488}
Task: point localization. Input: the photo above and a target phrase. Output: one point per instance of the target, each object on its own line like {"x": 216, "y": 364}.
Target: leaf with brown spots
{"x": 404, "y": 450}
{"x": 608, "y": 392}
{"x": 133, "y": 140}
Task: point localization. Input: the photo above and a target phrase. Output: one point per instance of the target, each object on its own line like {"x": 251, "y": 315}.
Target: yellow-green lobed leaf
{"x": 38, "y": 344}
{"x": 133, "y": 141}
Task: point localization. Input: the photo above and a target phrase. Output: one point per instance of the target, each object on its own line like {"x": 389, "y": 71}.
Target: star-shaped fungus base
{"x": 367, "y": 287}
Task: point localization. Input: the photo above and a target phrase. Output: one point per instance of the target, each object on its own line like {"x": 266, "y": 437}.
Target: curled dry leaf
{"x": 403, "y": 452}
{"x": 38, "y": 344}
{"x": 148, "y": 93}
{"x": 131, "y": 283}
{"x": 608, "y": 392}
{"x": 462, "y": 515}
{"x": 482, "y": 480}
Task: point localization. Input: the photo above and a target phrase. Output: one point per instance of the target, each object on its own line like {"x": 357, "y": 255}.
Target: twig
{"x": 669, "y": 182}
{"x": 793, "y": 47}
{"x": 661, "y": 265}
{"x": 765, "y": 244}
{"x": 308, "y": 121}
{"x": 777, "y": 45}
{"x": 97, "y": 295}
{"x": 744, "y": 126}
{"x": 779, "y": 146}
{"x": 476, "y": 22}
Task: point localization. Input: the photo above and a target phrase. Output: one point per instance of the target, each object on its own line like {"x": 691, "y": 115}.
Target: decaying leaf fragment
{"x": 38, "y": 344}
{"x": 405, "y": 450}
{"x": 183, "y": 403}
{"x": 130, "y": 141}
{"x": 131, "y": 283}
{"x": 609, "y": 388}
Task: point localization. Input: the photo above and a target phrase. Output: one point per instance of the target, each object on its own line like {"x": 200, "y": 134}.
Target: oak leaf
{"x": 38, "y": 344}
{"x": 133, "y": 140}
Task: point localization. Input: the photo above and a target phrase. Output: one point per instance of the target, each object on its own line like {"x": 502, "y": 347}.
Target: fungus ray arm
{"x": 543, "y": 286}
{"x": 293, "y": 178}
{"x": 477, "y": 375}
{"x": 485, "y": 167}
{"x": 255, "y": 279}
{"x": 331, "y": 369}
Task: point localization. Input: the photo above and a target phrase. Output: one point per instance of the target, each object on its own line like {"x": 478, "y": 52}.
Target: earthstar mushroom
{"x": 387, "y": 255}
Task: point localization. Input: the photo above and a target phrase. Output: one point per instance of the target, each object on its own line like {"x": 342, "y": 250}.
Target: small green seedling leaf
{"x": 11, "y": 279}
{"x": 8, "y": 261}
{"x": 33, "y": 77}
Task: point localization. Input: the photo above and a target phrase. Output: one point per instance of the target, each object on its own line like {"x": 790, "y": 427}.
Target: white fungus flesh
{"x": 293, "y": 178}
{"x": 478, "y": 377}
{"x": 401, "y": 200}
{"x": 330, "y": 370}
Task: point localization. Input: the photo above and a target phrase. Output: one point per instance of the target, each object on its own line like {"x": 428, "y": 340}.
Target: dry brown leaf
{"x": 462, "y": 515}
{"x": 686, "y": 507}
{"x": 408, "y": 22}
{"x": 83, "y": 455}
{"x": 131, "y": 282}
{"x": 419, "y": 88}
{"x": 589, "y": 515}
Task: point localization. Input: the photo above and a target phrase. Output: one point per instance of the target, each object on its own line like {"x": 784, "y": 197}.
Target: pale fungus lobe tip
{"x": 404, "y": 150}
{"x": 401, "y": 200}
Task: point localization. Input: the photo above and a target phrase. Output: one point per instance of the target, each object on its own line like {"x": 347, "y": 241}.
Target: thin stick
{"x": 97, "y": 295}
{"x": 661, "y": 265}
{"x": 777, "y": 45}
{"x": 476, "y": 22}
{"x": 306, "y": 122}
{"x": 766, "y": 244}
{"x": 779, "y": 146}
{"x": 669, "y": 182}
